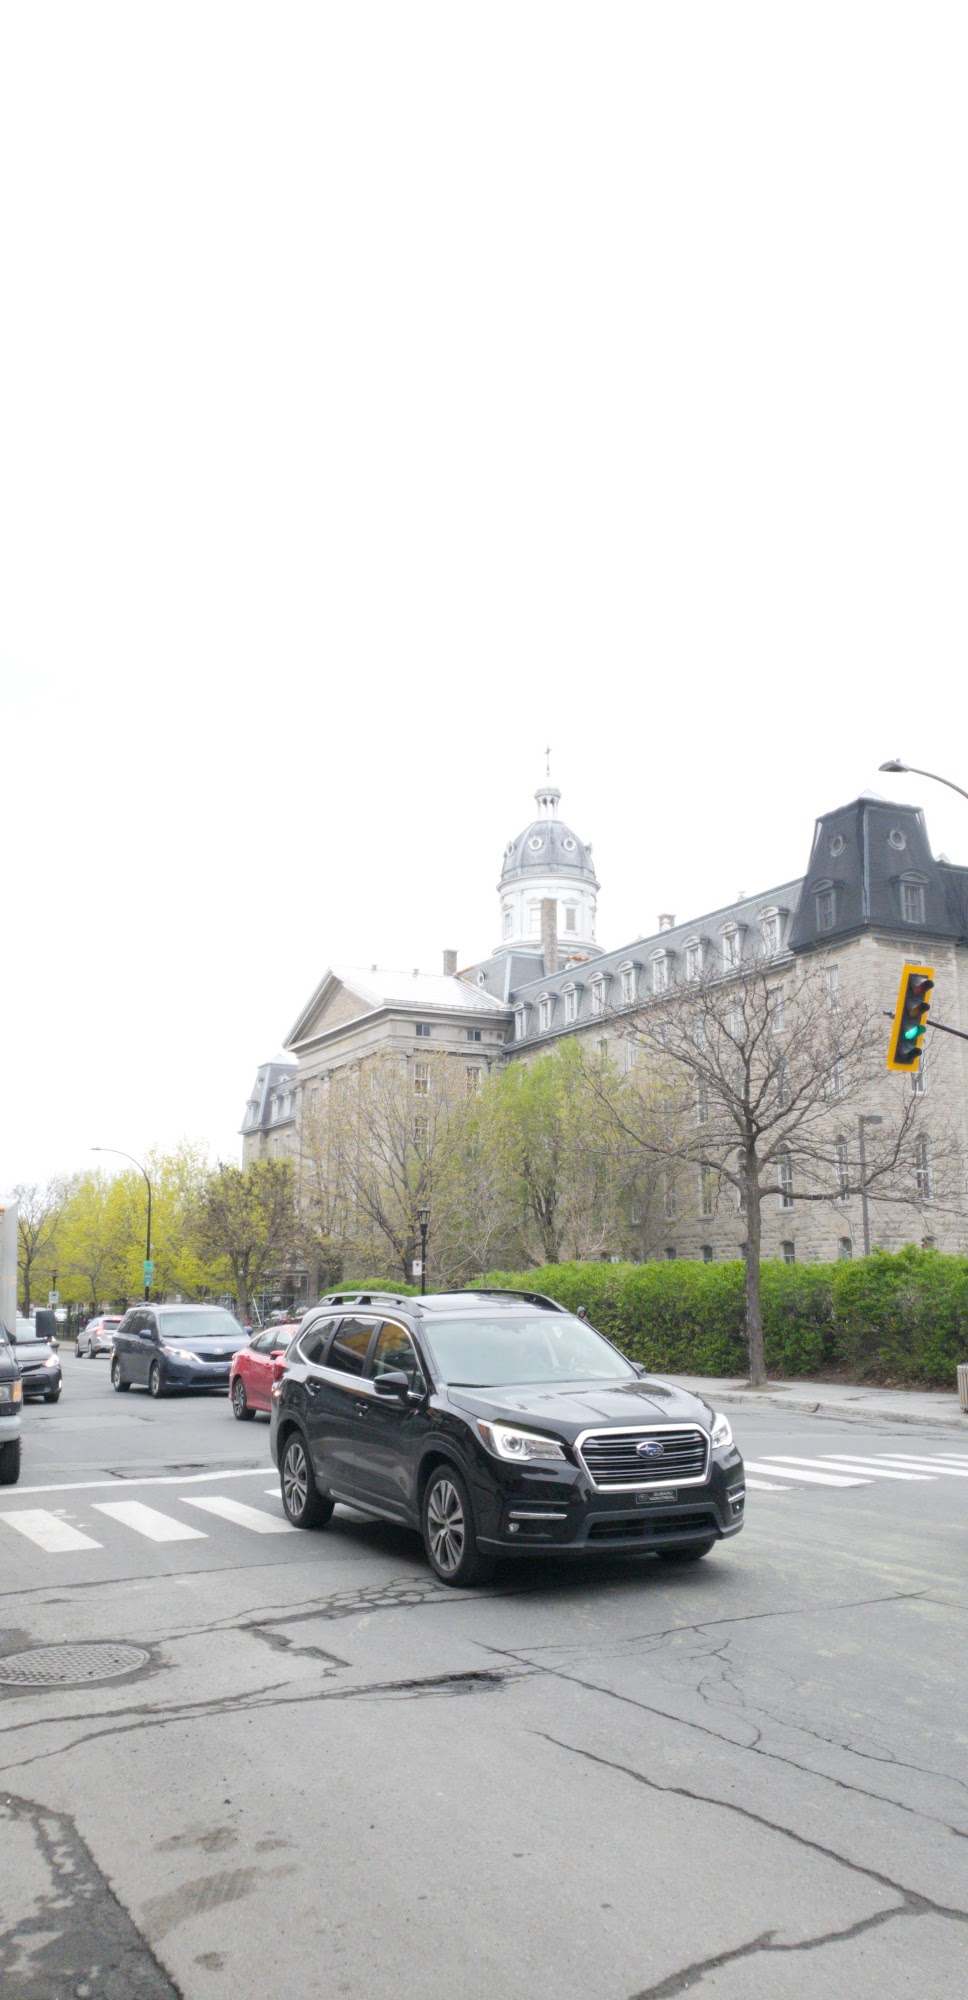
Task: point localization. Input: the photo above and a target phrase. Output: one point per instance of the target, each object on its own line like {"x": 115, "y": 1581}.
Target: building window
{"x": 508, "y": 920}
{"x": 826, "y": 906}
{"x": 421, "y": 1131}
{"x": 520, "y": 1024}
{"x": 789, "y": 1252}
{"x": 918, "y": 1079}
{"x": 670, "y": 1198}
{"x": 571, "y": 917}
{"x": 631, "y": 1051}
{"x": 423, "y": 1028}
{"x": 776, "y": 1002}
{"x": 845, "y": 1249}
{"x": 702, "y": 1102}
{"x": 782, "y": 1085}
{"x": 660, "y": 972}
{"x": 421, "y": 1079}
{"x": 843, "y": 1170}
{"x": 770, "y": 931}
{"x": 545, "y": 1005}
{"x": 598, "y": 996}
{"x": 571, "y": 1003}
{"x": 473, "y": 1078}
{"x": 831, "y": 980}
{"x": 784, "y": 1180}
{"x": 706, "y": 1190}
{"x": 929, "y": 1242}
{"x": 730, "y": 947}
{"x": 694, "y": 959}
{"x": 706, "y": 1253}
{"x": 534, "y": 919}
{"x": 922, "y": 1166}
{"x": 912, "y": 902}
{"x": 669, "y": 1253}
{"x": 838, "y": 1079}
{"x": 603, "y": 1049}
{"x": 473, "y": 1034}
{"x": 628, "y": 985}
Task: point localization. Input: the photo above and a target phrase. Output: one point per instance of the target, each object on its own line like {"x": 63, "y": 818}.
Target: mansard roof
{"x": 863, "y": 854}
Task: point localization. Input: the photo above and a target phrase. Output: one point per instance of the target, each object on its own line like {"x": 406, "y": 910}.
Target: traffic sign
{"x": 53, "y": 1298}
{"x": 417, "y": 1267}
{"x": 149, "y": 1270}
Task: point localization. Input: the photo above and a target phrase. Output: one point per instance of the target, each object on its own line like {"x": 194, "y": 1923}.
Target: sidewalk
{"x": 848, "y": 1400}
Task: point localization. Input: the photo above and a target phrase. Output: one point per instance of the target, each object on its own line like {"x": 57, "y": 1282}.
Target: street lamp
{"x": 136, "y": 1163}
{"x": 896, "y": 765}
{"x": 423, "y": 1221}
{"x": 866, "y": 1118}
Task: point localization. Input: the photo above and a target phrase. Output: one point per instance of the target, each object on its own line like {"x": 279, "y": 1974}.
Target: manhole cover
{"x": 68, "y": 1666}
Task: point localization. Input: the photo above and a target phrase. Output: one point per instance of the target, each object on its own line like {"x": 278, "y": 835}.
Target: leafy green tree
{"x": 243, "y": 1224}
{"x": 39, "y": 1212}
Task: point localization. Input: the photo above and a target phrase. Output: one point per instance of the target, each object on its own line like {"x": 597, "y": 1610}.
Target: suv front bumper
{"x": 564, "y": 1514}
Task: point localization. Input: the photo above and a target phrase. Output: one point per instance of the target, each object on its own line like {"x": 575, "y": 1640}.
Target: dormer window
{"x": 545, "y": 1006}
{"x": 912, "y": 901}
{"x": 520, "y": 1023}
{"x": 770, "y": 932}
{"x": 660, "y": 972}
{"x": 825, "y": 903}
{"x": 694, "y": 959}
{"x": 571, "y": 1003}
{"x": 731, "y": 946}
{"x": 628, "y": 985}
{"x": 598, "y": 996}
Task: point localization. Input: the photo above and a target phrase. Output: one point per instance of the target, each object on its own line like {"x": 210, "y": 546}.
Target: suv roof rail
{"x": 530, "y": 1298}
{"x": 363, "y": 1298}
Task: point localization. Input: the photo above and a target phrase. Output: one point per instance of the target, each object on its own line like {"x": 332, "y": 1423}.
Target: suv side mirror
{"x": 394, "y": 1385}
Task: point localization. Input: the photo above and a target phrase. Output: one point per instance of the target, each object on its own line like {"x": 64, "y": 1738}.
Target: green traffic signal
{"x": 905, "y": 1048}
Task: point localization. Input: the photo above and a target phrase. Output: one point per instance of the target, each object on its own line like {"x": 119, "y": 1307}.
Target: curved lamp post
{"x": 895, "y": 764}
{"x": 141, "y": 1170}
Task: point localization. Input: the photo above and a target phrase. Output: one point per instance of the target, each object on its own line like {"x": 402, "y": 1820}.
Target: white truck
{"x": 11, "y": 1386}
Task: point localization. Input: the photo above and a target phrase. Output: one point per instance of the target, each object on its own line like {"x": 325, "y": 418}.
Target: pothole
{"x": 69, "y": 1666}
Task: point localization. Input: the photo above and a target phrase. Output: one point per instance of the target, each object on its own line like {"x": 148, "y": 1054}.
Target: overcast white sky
{"x": 391, "y": 390}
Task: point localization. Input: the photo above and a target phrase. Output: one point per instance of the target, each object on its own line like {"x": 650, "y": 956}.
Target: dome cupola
{"x": 548, "y": 860}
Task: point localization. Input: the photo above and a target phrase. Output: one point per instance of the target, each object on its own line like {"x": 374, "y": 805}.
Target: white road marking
{"x": 935, "y": 1465}
{"x": 765, "y": 1486}
{"x": 813, "y": 1478}
{"x": 52, "y": 1535}
{"x": 244, "y": 1517}
{"x": 149, "y": 1479}
{"x": 149, "y": 1521}
{"x": 953, "y": 1457}
{"x": 880, "y": 1470}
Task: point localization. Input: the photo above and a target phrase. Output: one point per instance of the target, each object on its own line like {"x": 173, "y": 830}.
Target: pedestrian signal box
{"x": 906, "y": 1045}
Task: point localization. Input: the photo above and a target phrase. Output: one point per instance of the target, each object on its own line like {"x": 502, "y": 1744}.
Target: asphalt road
{"x": 741, "y": 1778}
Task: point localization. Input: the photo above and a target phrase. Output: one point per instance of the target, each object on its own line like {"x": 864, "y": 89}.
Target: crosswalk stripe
{"x": 953, "y": 1457}
{"x": 52, "y": 1535}
{"x": 935, "y": 1465}
{"x": 812, "y": 1478}
{"x": 149, "y": 1521}
{"x": 243, "y": 1517}
{"x": 841, "y": 1461}
{"x": 765, "y": 1486}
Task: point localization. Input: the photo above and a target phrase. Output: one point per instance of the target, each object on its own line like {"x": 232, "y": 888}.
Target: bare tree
{"x": 246, "y": 1215}
{"x": 395, "y": 1125}
{"x": 757, "y": 1068}
{"x": 39, "y": 1211}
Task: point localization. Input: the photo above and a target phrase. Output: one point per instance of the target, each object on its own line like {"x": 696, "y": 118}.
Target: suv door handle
{"x": 362, "y": 1409}
{"x": 313, "y": 1388}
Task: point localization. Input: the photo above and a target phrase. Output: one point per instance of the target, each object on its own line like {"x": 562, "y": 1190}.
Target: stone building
{"x": 873, "y": 897}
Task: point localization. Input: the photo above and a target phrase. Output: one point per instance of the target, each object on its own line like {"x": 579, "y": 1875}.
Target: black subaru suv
{"x": 496, "y": 1423}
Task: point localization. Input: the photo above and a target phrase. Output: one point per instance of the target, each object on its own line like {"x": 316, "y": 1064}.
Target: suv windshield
{"x": 214, "y": 1325}
{"x": 537, "y": 1347}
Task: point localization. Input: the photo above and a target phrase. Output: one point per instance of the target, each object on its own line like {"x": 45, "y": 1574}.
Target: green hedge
{"x": 900, "y": 1319}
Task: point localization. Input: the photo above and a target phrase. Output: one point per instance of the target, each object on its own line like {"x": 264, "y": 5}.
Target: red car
{"x": 256, "y": 1367}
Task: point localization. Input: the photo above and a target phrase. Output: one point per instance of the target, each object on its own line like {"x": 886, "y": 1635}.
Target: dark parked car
{"x": 97, "y": 1337}
{"x": 175, "y": 1347}
{"x": 256, "y": 1367}
{"x": 496, "y": 1423}
{"x": 38, "y": 1361}
{"x": 11, "y": 1403}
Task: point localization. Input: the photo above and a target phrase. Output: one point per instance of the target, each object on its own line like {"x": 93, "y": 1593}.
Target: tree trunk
{"x": 751, "y": 1260}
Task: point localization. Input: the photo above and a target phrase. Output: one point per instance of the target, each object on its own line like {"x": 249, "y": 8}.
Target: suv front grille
{"x": 671, "y": 1458}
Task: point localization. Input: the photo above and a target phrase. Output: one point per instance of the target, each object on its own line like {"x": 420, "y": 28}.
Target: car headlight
{"x": 52, "y": 1361}
{"x": 11, "y": 1392}
{"x": 506, "y": 1442}
{"x": 181, "y": 1354}
{"x": 720, "y": 1435}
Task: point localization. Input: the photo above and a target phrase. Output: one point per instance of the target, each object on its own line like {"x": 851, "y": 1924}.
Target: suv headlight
{"x": 720, "y": 1436}
{"x": 11, "y": 1392}
{"x": 507, "y": 1442}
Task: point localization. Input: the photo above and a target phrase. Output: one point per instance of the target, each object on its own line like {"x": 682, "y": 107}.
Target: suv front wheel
{"x": 302, "y": 1501}
{"x": 117, "y": 1379}
{"x": 448, "y": 1531}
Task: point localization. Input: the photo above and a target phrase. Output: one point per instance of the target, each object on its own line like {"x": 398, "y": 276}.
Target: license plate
{"x": 668, "y": 1494}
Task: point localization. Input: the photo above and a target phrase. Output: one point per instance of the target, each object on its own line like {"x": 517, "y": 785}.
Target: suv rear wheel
{"x": 302, "y": 1501}
{"x": 448, "y": 1531}
{"x": 117, "y": 1379}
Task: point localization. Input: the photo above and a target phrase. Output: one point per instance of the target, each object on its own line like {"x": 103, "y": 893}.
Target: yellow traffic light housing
{"x": 906, "y": 1045}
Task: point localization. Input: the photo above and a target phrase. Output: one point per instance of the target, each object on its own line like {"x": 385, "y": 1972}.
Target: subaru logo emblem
{"x": 650, "y": 1448}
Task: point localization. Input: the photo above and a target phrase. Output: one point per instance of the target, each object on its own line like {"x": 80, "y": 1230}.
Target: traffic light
{"x": 907, "y": 1035}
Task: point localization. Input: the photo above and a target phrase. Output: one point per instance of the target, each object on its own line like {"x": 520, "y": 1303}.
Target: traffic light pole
{"x": 940, "y": 1025}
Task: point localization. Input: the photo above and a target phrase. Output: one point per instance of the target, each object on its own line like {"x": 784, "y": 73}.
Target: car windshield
{"x": 214, "y": 1325}
{"x": 534, "y": 1347}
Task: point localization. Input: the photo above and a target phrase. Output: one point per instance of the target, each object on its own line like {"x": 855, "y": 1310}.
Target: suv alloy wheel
{"x": 302, "y": 1501}
{"x": 117, "y": 1379}
{"x": 448, "y": 1530}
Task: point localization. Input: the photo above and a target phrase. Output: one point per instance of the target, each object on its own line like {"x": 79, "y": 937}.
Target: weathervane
{"x": 548, "y": 761}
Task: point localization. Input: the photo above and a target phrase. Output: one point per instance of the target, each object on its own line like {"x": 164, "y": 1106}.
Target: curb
{"x": 847, "y": 1413}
